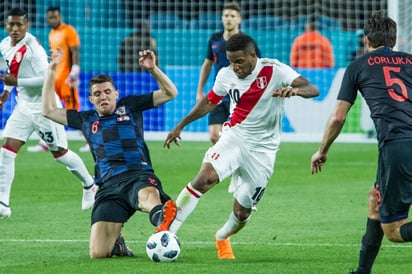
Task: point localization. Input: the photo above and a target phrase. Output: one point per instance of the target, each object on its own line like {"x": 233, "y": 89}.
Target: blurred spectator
{"x": 141, "y": 39}
{"x": 311, "y": 49}
{"x": 361, "y": 47}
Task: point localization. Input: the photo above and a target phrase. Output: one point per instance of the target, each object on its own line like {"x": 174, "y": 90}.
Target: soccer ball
{"x": 163, "y": 246}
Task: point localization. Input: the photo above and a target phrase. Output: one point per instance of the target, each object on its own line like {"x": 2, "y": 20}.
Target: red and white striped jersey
{"x": 27, "y": 61}
{"x": 255, "y": 114}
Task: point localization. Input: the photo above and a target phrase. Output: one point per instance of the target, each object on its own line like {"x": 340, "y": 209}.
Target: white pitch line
{"x": 208, "y": 243}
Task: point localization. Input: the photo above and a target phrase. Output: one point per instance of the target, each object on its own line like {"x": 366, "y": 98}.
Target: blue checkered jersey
{"x": 116, "y": 141}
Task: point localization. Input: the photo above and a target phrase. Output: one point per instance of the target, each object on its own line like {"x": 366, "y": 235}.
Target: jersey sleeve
{"x": 138, "y": 102}
{"x": 72, "y": 37}
{"x": 348, "y": 90}
{"x": 74, "y": 119}
{"x": 209, "y": 53}
{"x": 285, "y": 73}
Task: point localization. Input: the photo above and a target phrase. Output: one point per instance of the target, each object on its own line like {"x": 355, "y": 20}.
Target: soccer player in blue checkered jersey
{"x": 384, "y": 78}
{"x": 247, "y": 148}
{"x": 123, "y": 169}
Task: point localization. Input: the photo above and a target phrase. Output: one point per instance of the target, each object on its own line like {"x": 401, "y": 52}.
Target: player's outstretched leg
{"x": 169, "y": 214}
{"x": 7, "y": 167}
{"x": 232, "y": 226}
{"x": 224, "y": 249}
{"x": 186, "y": 202}
{"x": 76, "y": 166}
{"x": 88, "y": 196}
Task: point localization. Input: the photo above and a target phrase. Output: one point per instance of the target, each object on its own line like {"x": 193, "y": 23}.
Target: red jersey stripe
{"x": 250, "y": 98}
{"x": 15, "y": 63}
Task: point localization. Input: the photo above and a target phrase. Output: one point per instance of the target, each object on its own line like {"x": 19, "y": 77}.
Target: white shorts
{"x": 250, "y": 169}
{"x": 26, "y": 118}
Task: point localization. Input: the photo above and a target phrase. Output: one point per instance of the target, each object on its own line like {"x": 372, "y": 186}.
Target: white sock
{"x": 7, "y": 160}
{"x": 232, "y": 226}
{"x": 75, "y": 165}
{"x": 186, "y": 202}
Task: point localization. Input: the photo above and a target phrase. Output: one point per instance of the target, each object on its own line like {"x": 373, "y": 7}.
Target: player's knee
{"x": 95, "y": 253}
{"x": 206, "y": 178}
{"x": 242, "y": 214}
{"x": 202, "y": 185}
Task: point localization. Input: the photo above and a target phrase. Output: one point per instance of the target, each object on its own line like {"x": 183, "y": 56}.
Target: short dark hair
{"x": 381, "y": 30}
{"x": 232, "y": 6}
{"x": 18, "y": 12}
{"x": 241, "y": 41}
{"x": 54, "y": 8}
{"x": 102, "y": 78}
{"x": 312, "y": 22}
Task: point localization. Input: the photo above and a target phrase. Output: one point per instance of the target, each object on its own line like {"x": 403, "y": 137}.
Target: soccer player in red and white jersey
{"x": 27, "y": 65}
{"x": 247, "y": 148}
{"x": 65, "y": 37}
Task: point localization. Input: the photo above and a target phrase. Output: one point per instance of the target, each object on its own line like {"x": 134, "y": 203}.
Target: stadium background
{"x": 182, "y": 28}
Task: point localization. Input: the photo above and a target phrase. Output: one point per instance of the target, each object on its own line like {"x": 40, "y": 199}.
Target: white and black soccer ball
{"x": 163, "y": 246}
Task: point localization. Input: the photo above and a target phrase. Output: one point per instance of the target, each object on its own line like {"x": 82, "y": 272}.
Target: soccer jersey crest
{"x": 18, "y": 57}
{"x": 261, "y": 82}
{"x": 121, "y": 110}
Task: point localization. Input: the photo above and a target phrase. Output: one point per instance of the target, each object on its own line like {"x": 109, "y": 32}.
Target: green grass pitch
{"x": 304, "y": 224}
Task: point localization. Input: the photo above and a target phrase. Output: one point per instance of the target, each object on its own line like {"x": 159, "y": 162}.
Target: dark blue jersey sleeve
{"x": 349, "y": 89}
{"x": 75, "y": 118}
{"x": 138, "y": 102}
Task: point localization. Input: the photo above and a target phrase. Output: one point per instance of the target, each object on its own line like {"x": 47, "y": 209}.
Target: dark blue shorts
{"x": 394, "y": 180}
{"x": 221, "y": 113}
{"x": 117, "y": 200}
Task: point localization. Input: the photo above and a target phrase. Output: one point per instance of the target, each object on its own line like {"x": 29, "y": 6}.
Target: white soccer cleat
{"x": 37, "y": 148}
{"x": 88, "y": 197}
{"x": 5, "y": 211}
{"x": 85, "y": 148}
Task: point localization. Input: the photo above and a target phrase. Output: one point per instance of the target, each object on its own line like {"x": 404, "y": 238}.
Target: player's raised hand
{"x": 173, "y": 136}
{"x": 147, "y": 59}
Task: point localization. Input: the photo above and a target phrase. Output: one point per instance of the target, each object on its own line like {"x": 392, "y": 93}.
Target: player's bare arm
{"x": 168, "y": 90}
{"x": 49, "y": 106}
{"x": 202, "y": 107}
{"x": 204, "y": 75}
{"x": 333, "y": 129}
{"x": 300, "y": 87}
